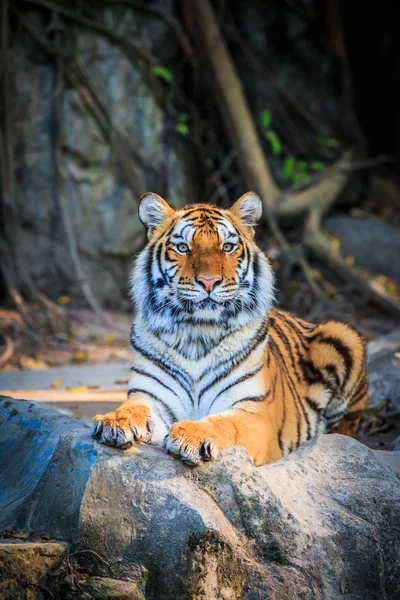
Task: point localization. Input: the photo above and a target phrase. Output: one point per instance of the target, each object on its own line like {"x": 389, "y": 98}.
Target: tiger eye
{"x": 183, "y": 247}
{"x": 227, "y": 247}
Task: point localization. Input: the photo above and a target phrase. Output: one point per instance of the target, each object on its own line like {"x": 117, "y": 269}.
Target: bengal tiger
{"x": 214, "y": 365}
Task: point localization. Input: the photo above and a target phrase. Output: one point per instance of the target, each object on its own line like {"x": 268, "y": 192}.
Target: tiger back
{"x": 214, "y": 365}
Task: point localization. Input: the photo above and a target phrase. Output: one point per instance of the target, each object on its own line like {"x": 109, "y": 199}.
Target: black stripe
{"x": 178, "y": 376}
{"x": 253, "y": 399}
{"x": 233, "y": 362}
{"x": 314, "y": 405}
{"x": 150, "y": 376}
{"x": 156, "y": 399}
{"x": 236, "y": 382}
{"x": 340, "y": 348}
{"x": 296, "y": 395}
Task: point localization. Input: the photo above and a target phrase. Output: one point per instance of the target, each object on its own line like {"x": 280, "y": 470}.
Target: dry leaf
{"x": 317, "y": 275}
{"x": 80, "y": 356}
{"x": 63, "y": 299}
{"x": 335, "y": 244}
{"x": 121, "y": 381}
{"x": 109, "y": 337}
{"x": 92, "y": 387}
{"x": 56, "y": 384}
{"x": 28, "y": 362}
{"x": 77, "y": 390}
{"x": 330, "y": 291}
{"x": 349, "y": 260}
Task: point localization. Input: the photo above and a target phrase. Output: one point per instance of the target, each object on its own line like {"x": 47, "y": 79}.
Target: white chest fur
{"x": 182, "y": 388}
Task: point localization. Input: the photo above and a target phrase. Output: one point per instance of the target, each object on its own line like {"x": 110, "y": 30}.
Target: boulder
{"x": 384, "y": 370}
{"x": 321, "y": 523}
{"x": 372, "y": 244}
{"x": 24, "y": 566}
{"x": 93, "y": 200}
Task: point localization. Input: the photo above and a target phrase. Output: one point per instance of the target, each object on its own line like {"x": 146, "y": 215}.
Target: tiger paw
{"x": 192, "y": 442}
{"x": 123, "y": 428}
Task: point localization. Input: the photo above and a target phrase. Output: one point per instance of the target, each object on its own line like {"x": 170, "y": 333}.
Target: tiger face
{"x": 201, "y": 265}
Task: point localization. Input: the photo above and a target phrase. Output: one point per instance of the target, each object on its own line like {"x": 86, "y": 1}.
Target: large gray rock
{"x": 374, "y": 245}
{"x": 384, "y": 370}
{"x": 93, "y": 187}
{"x": 321, "y": 523}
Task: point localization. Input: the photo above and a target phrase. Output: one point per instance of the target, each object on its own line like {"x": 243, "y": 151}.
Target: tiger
{"x": 215, "y": 364}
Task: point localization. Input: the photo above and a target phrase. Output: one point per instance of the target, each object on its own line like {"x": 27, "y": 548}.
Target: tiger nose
{"x": 209, "y": 283}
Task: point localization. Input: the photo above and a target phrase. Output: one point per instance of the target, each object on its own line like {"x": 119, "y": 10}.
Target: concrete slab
{"x": 110, "y": 376}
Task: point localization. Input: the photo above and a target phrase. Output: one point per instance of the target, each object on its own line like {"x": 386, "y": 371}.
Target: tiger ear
{"x": 248, "y": 208}
{"x": 153, "y": 210}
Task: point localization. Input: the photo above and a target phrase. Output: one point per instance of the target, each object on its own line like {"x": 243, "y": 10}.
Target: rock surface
{"x": 23, "y": 567}
{"x": 98, "y": 203}
{"x": 322, "y": 523}
{"x": 372, "y": 244}
{"x": 384, "y": 370}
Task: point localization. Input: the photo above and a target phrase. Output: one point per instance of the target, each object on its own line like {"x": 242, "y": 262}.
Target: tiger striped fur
{"x": 213, "y": 364}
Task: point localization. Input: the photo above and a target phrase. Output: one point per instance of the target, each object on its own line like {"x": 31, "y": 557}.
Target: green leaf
{"x": 302, "y": 166}
{"x": 288, "y": 167}
{"x": 182, "y": 128}
{"x": 162, "y": 73}
{"x": 327, "y": 141}
{"x": 274, "y": 141}
{"x": 300, "y": 177}
{"x": 184, "y": 117}
{"x": 318, "y": 165}
{"x": 266, "y": 118}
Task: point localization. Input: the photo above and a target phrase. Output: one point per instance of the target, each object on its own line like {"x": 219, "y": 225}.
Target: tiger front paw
{"x": 124, "y": 427}
{"x": 192, "y": 441}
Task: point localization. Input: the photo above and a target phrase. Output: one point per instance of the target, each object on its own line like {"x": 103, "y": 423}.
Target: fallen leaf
{"x": 92, "y": 387}
{"x": 109, "y": 337}
{"x": 63, "y": 299}
{"x": 77, "y": 390}
{"x": 317, "y": 275}
{"x": 349, "y": 260}
{"x": 335, "y": 243}
{"x": 330, "y": 291}
{"x": 121, "y": 381}
{"x": 80, "y": 356}
{"x": 56, "y": 384}
{"x": 30, "y": 363}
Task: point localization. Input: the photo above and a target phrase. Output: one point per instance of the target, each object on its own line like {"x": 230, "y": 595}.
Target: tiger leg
{"x": 338, "y": 353}
{"x": 130, "y": 424}
{"x": 198, "y": 441}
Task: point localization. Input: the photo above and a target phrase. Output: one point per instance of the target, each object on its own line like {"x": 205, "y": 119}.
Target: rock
{"x": 372, "y": 244}
{"x": 395, "y": 445}
{"x": 104, "y": 588}
{"x": 23, "y": 566}
{"x": 101, "y": 208}
{"x": 384, "y": 370}
{"x": 321, "y": 523}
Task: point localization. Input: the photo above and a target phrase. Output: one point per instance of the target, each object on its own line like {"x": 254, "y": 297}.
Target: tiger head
{"x": 201, "y": 266}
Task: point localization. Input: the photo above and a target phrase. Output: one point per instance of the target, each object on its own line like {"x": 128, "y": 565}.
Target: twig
{"x": 9, "y": 350}
{"x": 90, "y": 552}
